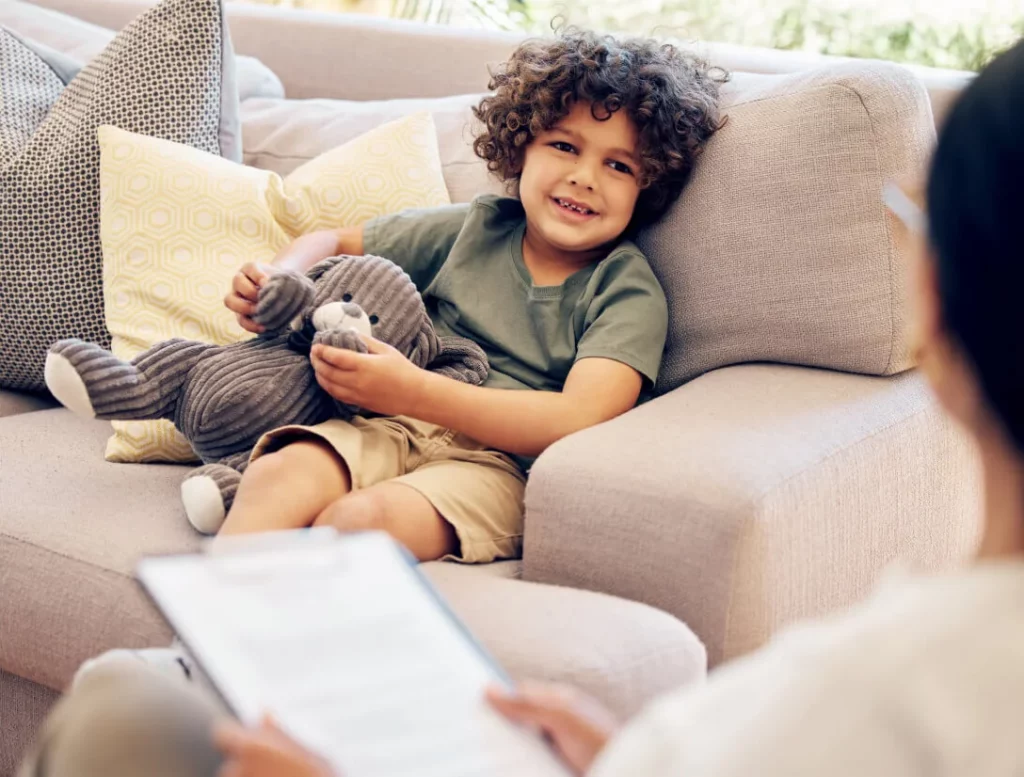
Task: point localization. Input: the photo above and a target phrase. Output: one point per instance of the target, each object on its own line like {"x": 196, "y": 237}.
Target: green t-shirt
{"x": 467, "y": 261}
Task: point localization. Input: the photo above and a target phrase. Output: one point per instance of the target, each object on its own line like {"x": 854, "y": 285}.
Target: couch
{"x": 772, "y": 483}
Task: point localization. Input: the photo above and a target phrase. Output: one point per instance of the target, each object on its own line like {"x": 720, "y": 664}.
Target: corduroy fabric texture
{"x": 224, "y": 398}
{"x": 178, "y": 223}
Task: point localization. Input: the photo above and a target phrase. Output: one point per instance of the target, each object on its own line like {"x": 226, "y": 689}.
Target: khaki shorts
{"x": 478, "y": 490}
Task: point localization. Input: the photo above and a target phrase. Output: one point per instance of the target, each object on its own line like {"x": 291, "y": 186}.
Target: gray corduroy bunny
{"x": 223, "y": 398}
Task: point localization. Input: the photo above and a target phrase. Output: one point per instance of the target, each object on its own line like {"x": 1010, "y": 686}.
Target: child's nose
{"x": 581, "y": 175}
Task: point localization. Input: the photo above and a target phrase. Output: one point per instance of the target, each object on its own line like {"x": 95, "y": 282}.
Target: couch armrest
{"x": 753, "y": 496}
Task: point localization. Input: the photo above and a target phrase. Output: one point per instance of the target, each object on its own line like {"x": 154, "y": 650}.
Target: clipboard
{"x": 352, "y": 649}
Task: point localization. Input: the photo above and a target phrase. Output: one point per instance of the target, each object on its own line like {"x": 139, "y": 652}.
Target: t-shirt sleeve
{"x": 418, "y": 240}
{"x": 627, "y": 319}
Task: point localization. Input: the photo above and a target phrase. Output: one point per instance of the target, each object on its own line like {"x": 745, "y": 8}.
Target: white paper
{"x": 345, "y": 645}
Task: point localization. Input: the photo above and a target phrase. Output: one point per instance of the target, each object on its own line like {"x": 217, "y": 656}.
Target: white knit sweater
{"x": 924, "y": 678}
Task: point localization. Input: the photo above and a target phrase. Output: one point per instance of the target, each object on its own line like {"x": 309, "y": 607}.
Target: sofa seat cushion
{"x": 72, "y": 527}
{"x": 15, "y": 402}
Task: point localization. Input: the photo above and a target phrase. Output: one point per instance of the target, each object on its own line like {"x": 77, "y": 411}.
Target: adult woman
{"x": 926, "y": 677}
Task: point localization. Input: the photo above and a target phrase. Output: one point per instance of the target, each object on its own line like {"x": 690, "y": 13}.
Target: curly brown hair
{"x": 670, "y": 95}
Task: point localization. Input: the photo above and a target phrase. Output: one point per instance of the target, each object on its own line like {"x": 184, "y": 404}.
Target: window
{"x": 959, "y": 34}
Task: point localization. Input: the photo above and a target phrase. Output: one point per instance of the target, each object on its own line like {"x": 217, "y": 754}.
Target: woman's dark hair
{"x": 670, "y": 95}
{"x": 976, "y": 226}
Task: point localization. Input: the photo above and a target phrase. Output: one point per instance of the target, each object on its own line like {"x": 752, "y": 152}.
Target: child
{"x": 597, "y": 137}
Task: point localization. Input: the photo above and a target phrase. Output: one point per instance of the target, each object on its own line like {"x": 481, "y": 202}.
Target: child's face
{"x": 581, "y": 163}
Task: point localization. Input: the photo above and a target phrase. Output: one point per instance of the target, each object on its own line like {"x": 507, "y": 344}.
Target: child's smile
{"x": 580, "y": 183}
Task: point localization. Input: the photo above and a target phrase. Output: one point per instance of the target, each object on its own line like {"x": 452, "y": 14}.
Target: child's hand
{"x": 382, "y": 381}
{"x": 578, "y": 726}
{"x": 245, "y": 293}
{"x": 265, "y": 752}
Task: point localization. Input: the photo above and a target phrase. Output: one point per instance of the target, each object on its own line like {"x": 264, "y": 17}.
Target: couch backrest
{"x": 780, "y": 248}
{"x": 354, "y": 57}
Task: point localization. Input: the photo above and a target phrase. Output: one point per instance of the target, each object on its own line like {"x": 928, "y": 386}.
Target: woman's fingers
{"x": 543, "y": 708}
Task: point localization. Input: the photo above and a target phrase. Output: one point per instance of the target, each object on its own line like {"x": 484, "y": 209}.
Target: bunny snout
{"x": 342, "y": 315}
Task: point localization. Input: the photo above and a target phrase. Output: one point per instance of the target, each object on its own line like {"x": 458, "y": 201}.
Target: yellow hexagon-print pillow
{"x": 177, "y": 223}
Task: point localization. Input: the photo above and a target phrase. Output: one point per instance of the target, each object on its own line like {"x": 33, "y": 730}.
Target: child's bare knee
{"x": 360, "y": 511}
{"x": 304, "y": 459}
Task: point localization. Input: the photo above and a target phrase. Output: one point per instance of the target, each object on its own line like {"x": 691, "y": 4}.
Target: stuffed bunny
{"x": 222, "y": 398}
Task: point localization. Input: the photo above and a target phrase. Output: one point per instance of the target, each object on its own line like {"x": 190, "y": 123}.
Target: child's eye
{"x": 620, "y": 167}
{"x": 561, "y": 145}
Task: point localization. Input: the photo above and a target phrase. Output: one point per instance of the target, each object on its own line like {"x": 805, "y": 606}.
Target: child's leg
{"x": 402, "y": 512}
{"x": 288, "y": 488}
{"x": 466, "y": 505}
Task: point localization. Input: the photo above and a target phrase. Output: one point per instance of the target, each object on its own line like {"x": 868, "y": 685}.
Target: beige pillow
{"x": 177, "y": 223}
{"x": 780, "y": 248}
{"x": 280, "y": 135}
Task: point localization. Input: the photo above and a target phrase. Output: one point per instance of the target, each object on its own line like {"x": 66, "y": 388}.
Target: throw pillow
{"x": 84, "y": 42}
{"x": 779, "y": 248}
{"x": 177, "y": 224}
{"x": 161, "y": 76}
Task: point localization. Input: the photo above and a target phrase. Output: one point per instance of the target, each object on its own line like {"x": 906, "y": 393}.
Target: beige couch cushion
{"x": 280, "y": 135}
{"x": 72, "y": 527}
{"x": 15, "y": 402}
{"x": 755, "y": 496}
{"x": 780, "y": 248}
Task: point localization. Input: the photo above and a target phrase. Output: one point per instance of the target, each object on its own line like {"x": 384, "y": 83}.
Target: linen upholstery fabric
{"x": 66, "y": 566}
{"x": 160, "y": 76}
{"x": 752, "y": 497}
{"x": 280, "y": 135}
{"x": 15, "y": 402}
{"x": 177, "y": 224}
{"x": 23, "y": 707}
{"x": 780, "y": 248}
{"x": 83, "y": 41}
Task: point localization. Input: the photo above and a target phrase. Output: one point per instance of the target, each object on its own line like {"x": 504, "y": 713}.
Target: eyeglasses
{"x": 905, "y": 209}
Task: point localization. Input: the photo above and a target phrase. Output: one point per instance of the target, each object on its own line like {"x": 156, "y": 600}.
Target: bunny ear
{"x": 461, "y": 359}
{"x": 425, "y": 348}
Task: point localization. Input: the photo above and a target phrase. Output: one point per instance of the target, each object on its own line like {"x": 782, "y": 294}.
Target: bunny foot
{"x": 207, "y": 494}
{"x": 63, "y": 379}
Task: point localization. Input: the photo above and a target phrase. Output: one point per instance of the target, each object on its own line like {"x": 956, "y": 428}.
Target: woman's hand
{"x": 265, "y": 752}
{"x": 383, "y": 380}
{"x": 245, "y": 293}
{"x": 578, "y": 725}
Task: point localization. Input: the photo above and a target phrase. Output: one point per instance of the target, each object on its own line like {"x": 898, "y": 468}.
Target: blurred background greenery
{"x": 960, "y": 34}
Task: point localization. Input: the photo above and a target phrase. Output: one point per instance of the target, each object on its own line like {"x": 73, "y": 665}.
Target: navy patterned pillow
{"x": 168, "y": 74}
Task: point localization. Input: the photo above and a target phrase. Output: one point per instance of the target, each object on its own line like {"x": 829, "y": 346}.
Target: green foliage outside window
{"x": 947, "y": 33}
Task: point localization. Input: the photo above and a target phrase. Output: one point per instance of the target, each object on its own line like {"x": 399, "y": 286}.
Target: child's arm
{"x": 516, "y": 421}
{"x": 299, "y": 255}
